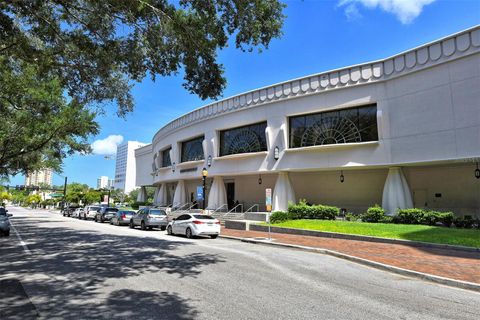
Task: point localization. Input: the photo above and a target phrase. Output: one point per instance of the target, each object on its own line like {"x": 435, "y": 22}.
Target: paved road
{"x": 62, "y": 268}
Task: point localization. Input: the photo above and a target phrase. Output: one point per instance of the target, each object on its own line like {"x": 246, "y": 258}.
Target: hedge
{"x": 304, "y": 211}
{"x": 421, "y": 216}
{"x": 373, "y": 214}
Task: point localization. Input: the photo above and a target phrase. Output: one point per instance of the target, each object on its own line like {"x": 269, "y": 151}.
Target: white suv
{"x": 90, "y": 211}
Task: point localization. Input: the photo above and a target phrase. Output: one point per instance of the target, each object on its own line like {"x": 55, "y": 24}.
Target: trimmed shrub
{"x": 304, "y": 211}
{"x": 466, "y": 222}
{"x": 351, "y": 217}
{"x": 373, "y": 214}
{"x": 137, "y": 204}
{"x": 446, "y": 218}
{"x": 281, "y": 216}
{"x": 409, "y": 216}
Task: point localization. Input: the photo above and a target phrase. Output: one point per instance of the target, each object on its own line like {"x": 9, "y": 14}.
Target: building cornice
{"x": 452, "y": 47}
{"x": 143, "y": 150}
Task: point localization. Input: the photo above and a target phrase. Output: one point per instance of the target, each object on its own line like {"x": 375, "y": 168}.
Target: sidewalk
{"x": 447, "y": 263}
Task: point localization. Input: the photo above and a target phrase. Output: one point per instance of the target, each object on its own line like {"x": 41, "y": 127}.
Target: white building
{"x": 401, "y": 132}
{"x": 102, "y": 182}
{"x": 40, "y": 176}
{"x": 125, "y": 169}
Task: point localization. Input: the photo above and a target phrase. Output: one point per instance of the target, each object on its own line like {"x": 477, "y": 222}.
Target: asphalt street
{"x": 55, "y": 267}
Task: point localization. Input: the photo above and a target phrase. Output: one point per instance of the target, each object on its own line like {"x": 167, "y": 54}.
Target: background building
{"x": 37, "y": 177}
{"x": 402, "y": 132}
{"x": 125, "y": 168}
{"x": 102, "y": 182}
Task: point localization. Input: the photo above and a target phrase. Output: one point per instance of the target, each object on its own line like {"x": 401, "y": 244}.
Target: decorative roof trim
{"x": 452, "y": 47}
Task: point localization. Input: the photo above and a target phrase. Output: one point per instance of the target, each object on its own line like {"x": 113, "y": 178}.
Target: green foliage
{"x": 304, "y": 211}
{"x": 421, "y": 216}
{"x": 136, "y": 205}
{"x": 92, "y": 196}
{"x": 99, "y": 48}
{"x": 40, "y": 126}
{"x": 33, "y": 199}
{"x": 351, "y": 217}
{"x": 373, "y": 214}
{"x": 280, "y": 216}
{"x": 466, "y": 222}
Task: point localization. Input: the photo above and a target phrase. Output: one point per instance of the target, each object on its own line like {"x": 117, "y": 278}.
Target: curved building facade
{"x": 401, "y": 132}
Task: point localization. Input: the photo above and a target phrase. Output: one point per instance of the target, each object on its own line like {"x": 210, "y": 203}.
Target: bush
{"x": 281, "y": 216}
{"x": 351, "y": 217}
{"x": 373, "y": 214}
{"x": 137, "y": 204}
{"x": 409, "y": 216}
{"x": 466, "y": 222}
{"x": 446, "y": 218}
{"x": 304, "y": 211}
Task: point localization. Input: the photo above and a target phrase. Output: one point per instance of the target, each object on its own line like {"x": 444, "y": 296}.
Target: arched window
{"x": 192, "y": 150}
{"x": 244, "y": 139}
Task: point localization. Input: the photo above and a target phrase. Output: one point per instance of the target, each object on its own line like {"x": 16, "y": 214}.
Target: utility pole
{"x": 64, "y": 193}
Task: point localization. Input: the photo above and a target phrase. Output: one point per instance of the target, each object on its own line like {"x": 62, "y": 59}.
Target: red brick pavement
{"x": 448, "y": 263}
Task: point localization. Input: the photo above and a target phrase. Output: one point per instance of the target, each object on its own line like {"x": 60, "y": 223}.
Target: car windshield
{"x": 128, "y": 212}
{"x": 198, "y": 216}
{"x": 111, "y": 210}
{"x": 94, "y": 208}
{"x": 157, "y": 212}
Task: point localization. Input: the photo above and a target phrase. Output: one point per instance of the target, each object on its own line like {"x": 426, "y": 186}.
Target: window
{"x": 244, "y": 139}
{"x": 334, "y": 127}
{"x": 166, "y": 161}
{"x": 192, "y": 150}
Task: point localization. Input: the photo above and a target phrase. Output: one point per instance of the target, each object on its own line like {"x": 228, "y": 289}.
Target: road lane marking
{"x": 24, "y": 245}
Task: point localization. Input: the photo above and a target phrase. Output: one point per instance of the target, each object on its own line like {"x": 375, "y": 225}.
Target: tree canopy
{"x": 97, "y": 48}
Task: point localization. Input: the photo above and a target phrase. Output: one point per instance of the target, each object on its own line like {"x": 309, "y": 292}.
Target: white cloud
{"x": 107, "y": 146}
{"x": 405, "y": 10}
{"x": 352, "y": 13}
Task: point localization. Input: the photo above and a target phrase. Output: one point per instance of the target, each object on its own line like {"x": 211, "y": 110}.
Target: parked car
{"x": 4, "y": 222}
{"x": 193, "y": 225}
{"x": 150, "y": 218}
{"x": 122, "y": 217}
{"x": 68, "y": 210}
{"x": 77, "y": 213}
{"x": 105, "y": 214}
{"x": 90, "y": 211}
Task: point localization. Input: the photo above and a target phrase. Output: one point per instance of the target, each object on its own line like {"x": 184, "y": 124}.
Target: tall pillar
{"x": 218, "y": 194}
{"x": 396, "y": 192}
{"x": 180, "y": 196}
{"x": 162, "y": 195}
{"x": 283, "y": 193}
{"x": 142, "y": 195}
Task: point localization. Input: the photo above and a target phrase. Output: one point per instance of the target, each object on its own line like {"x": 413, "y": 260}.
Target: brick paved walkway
{"x": 453, "y": 264}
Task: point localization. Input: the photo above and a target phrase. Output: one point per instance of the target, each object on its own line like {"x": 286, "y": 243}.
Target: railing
{"x": 180, "y": 208}
{"x": 251, "y": 208}
{"x": 235, "y": 208}
{"x": 219, "y": 208}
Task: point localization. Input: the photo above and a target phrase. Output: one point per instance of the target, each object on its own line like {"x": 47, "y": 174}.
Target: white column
{"x": 283, "y": 193}
{"x": 218, "y": 194}
{"x": 142, "y": 195}
{"x": 162, "y": 195}
{"x": 180, "y": 196}
{"x": 396, "y": 192}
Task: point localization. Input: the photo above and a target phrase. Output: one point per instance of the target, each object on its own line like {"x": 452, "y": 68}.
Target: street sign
{"x": 268, "y": 199}
{"x": 199, "y": 193}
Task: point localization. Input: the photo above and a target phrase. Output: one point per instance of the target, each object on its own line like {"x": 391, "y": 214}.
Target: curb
{"x": 381, "y": 266}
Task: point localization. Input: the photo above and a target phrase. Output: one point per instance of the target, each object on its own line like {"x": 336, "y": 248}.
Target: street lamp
{"x": 173, "y": 166}
{"x": 276, "y": 153}
{"x": 477, "y": 172}
{"x": 342, "y": 177}
{"x": 209, "y": 161}
{"x": 204, "y": 180}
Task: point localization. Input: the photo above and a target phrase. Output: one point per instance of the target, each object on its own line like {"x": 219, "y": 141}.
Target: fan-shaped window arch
{"x": 244, "y": 139}
{"x": 192, "y": 150}
{"x": 166, "y": 161}
{"x": 334, "y": 127}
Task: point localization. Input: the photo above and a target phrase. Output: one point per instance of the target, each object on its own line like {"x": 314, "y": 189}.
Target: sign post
{"x": 268, "y": 203}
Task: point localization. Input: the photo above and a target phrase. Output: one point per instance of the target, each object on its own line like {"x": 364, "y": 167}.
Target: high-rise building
{"x": 125, "y": 169}
{"x": 102, "y": 182}
{"x": 40, "y": 176}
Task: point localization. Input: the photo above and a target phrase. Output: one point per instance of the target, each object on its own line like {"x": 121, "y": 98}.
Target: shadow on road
{"x": 70, "y": 268}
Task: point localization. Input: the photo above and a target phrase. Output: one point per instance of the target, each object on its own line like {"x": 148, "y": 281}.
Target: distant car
{"x": 68, "y": 210}
{"x": 4, "y": 222}
{"x": 105, "y": 214}
{"x": 122, "y": 217}
{"x": 77, "y": 213}
{"x": 90, "y": 211}
{"x": 192, "y": 225}
{"x": 150, "y": 218}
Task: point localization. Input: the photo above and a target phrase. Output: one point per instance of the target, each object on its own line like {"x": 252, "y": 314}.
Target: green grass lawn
{"x": 463, "y": 237}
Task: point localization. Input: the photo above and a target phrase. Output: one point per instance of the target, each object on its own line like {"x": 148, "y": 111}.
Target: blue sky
{"x": 318, "y": 36}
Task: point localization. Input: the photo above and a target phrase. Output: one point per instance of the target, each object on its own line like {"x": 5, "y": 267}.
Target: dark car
{"x": 122, "y": 217}
{"x": 105, "y": 214}
{"x": 150, "y": 218}
{"x": 69, "y": 209}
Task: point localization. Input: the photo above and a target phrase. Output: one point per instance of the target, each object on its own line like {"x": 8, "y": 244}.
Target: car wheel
{"x": 95, "y": 219}
{"x": 169, "y": 230}
{"x": 142, "y": 225}
{"x": 117, "y": 223}
{"x": 163, "y": 228}
{"x": 101, "y": 220}
{"x": 150, "y": 228}
{"x": 7, "y": 233}
{"x": 131, "y": 225}
{"x": 214, "y": 236}
{"x": 188, "y": 233}
{"x": 111, "y": 222}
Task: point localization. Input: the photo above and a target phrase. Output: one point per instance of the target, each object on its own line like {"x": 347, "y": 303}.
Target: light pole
{"x": 204, "y": 180}
{"x": 110, "y": 188}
